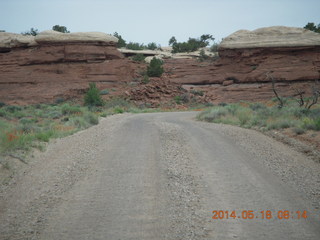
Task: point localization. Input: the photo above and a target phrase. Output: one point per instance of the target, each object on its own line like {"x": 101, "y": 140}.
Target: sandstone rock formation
{"x": 56, "y": 65}
{"x": 278, "y": 36}
{"x": 245, "y": 58}
{"x": 12, "y": 40}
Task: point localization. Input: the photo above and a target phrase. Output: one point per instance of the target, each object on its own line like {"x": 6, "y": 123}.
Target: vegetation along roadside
{"x": 291, "y": 120}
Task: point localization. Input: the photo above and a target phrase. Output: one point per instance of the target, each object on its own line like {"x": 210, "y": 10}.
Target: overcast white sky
{"x": 147, "y": 21}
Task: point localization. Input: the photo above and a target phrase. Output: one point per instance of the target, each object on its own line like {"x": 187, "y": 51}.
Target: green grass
{"x": 27, "y": 127}
{"x": 22, "y": 128}
{"x": 265, "y": 117}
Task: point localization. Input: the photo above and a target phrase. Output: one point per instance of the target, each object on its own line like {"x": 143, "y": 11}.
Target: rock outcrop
{"x": 56, "y": 65}
{"x": 246, "y": 61}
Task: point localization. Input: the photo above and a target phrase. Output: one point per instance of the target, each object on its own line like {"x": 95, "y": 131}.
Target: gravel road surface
{"x": 161, "y": 176}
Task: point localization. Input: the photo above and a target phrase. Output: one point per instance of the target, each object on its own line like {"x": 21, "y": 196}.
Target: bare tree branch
{"x": 269, "y": 76}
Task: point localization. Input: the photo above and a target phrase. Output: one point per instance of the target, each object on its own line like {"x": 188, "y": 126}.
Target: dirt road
{"x": 160, "y": 176}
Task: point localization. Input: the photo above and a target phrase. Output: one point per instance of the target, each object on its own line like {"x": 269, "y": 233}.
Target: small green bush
{"x": 92, "y": 97}
{"x": 197, "y": 92}
{"x": 118, "y": 110}
{"x": 67, "y": 109}
{"x": 257, "y": 106}
{"x": 152, "y": 46}
{"x": 79, "y": 122}
{"x": 44, "y": 136}
{"x": 138, "y": 57}
{"x": 13, "y": 109}
{"x": 203, "y": 56}
{"x": 54, "y": 114}
{"x": 244, "y": 116}
{"x": 155, "y": 68}
{"x": 317, "y": 124}
{"x": 135, "y": 46}
{"x": 213, "y": 114}
{"x": 3, "y": 113}
{"x": 117, "y": 102}
{"x": 191, "y": 45}
{"x": 280, "y": 124}
{"x": 91, "y": 118}
{"x": 145, "y": 79}
{"x": 104, "y": 92}
{"x": 184, "y": 98}
{"x": 298, "y": 130}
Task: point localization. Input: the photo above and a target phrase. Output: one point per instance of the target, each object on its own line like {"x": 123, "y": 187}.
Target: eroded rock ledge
{"x": 291, "y": 55}
{"x": 56, "y": 65}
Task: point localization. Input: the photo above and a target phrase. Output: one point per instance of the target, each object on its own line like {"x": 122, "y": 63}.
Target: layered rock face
{"x": 56, "y": 65}
{"x": 247, "y": 58}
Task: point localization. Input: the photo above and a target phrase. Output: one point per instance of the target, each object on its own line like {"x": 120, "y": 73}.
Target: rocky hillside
{"x": 290, "y": 55}
{"x": 56, "y": 65}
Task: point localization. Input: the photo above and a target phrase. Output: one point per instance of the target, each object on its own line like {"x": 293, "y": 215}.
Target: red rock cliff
{"x": 245, "y": 58}
{"x": 54, "y": 65}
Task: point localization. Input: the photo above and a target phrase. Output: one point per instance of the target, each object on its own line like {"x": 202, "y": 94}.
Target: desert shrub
{"x": 313, "y": 27}
{"x": 118, "y": 110}
{"x": 317, "y": 124}
{"x": 231, "y": 108}
{"x": 3, "y": 113}
{"x": 155, "y": 68}
{"x": 152, "y": 46}
{"x": 280, "y": 124}
{"x": 259, "y": 121}
{"x": 117, "y": 102}
{"x": 2, "y": 104}
{"x": 61, "y": 29}
{"x": 257, "y": 106}
{"x": 184, "y": 98}
{"x": 197, "y": 92}
{"x": 104, "y": 92}
{"x": 92, "y": 97}
{"x": 222, "y": 104}
{"x": 68, "y": 109}
{"x": 27, "y": 120}
{"x": 91, "y": 118}
{"x": 138, "y": 57}
{"x": 32, "y": 32}
{"x": 298, "y": 130}
{"x": 18, "y": 114}
{"x": 191, "y": 45}
{"x": 59, "y": 100}
{"x": 78, "y": 122}
{"x": 145, "y": 79}
{"x": 45, "y": 136}
{"x": 244, "y": 116}
{"x": 214, "y": 47}
{"x": 203, "y": 56}
{"x": 213, "y": 114}
{"x": 13, "y": 109}
{"x": 54, "y": 114}
{"x": 314, "y": 113}
{"x": 121, "y": 42}
{"x": 135, "y": 46}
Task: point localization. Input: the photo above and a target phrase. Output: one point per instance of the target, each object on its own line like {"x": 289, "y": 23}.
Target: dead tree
{"x": 308, "y": 102}
{"x": 280, "y": 100}
{"x": 315, "y": 96}
{"x": 300, "y": 100}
